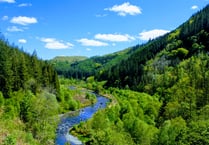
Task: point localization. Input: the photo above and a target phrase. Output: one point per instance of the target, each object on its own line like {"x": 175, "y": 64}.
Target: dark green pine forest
{"x": 158, "y": 91}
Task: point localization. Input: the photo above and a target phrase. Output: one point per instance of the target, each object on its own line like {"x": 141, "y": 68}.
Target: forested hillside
{"x": 187, "y": 40}
{"x": 29, "y": 90}
{"x": 19, "y": 68}
{"x": 62, "y": 64}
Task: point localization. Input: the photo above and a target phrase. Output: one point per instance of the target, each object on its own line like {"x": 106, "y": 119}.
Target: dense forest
{"x": 20, "y": 70}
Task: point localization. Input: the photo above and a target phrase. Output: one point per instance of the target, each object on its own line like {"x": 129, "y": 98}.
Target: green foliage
{"x": 38, "y": 113}
{"x": 143, "y": 133}
{"x": 90, "y": 79}
{"x": 198, "y": 133}
{"x": 174, "y": 34}
{"x": 180, "y": 52}
{"x": 1, "y": 99}
{"x": 9, "y": 112}
{"x": 73, "y": 105}
{"x": 91, "y": 97}
{"x": 124, "y": 120}
{"x": 25, "y": 106}
{"x": 172, "y": 132}
{"x": 9, "y": 140}
{"x": 67, "y": 102}
{"x": 42, "y": 117}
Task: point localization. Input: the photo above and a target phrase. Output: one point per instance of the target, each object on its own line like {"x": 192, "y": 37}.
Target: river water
{"x": 68, "y": 122}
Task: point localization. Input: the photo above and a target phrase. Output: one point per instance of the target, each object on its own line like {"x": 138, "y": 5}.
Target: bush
{"x": 10, "y": 140}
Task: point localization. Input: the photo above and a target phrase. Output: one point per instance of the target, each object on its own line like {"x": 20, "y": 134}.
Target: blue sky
{"x": 89, "y": 27}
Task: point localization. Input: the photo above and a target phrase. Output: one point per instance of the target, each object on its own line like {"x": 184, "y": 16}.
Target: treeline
{"x": 20, "y": 70}
{"x": 127, "y": 73}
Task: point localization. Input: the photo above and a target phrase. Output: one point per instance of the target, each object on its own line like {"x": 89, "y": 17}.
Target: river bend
{"x": 68, "y": 122}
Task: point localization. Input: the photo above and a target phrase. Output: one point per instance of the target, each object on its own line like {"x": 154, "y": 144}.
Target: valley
{"x": 155, "y": 93}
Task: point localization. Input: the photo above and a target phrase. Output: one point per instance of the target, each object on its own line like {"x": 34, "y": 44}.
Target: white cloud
{"x": 23, "y": 41}
{"x": 52, "y": 43}
{"x": 114, "y": 37}
{"x": 89, "y": 42}
{"x": 147, "y": 35}
{"x": 8, "y": 1}
{"x": 194, "y": 7}
{"x": 14, "y": 29}
{"x": 125, "y": 9}
{"x": 4, "y": 18}
{"x": 22, "y": 20}
{"x": 25, "y": 5}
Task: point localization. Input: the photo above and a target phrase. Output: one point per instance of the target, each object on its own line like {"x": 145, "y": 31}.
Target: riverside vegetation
{"x": 159, "y": 92}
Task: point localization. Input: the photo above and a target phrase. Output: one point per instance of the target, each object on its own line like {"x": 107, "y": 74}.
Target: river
{"x": 68, "y": 122}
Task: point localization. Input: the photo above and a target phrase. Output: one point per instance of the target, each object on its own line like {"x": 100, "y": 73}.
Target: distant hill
{"x": 83, "y": 67}
{"x": 63, "y": 63}
{"x": 68, "y": 59}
